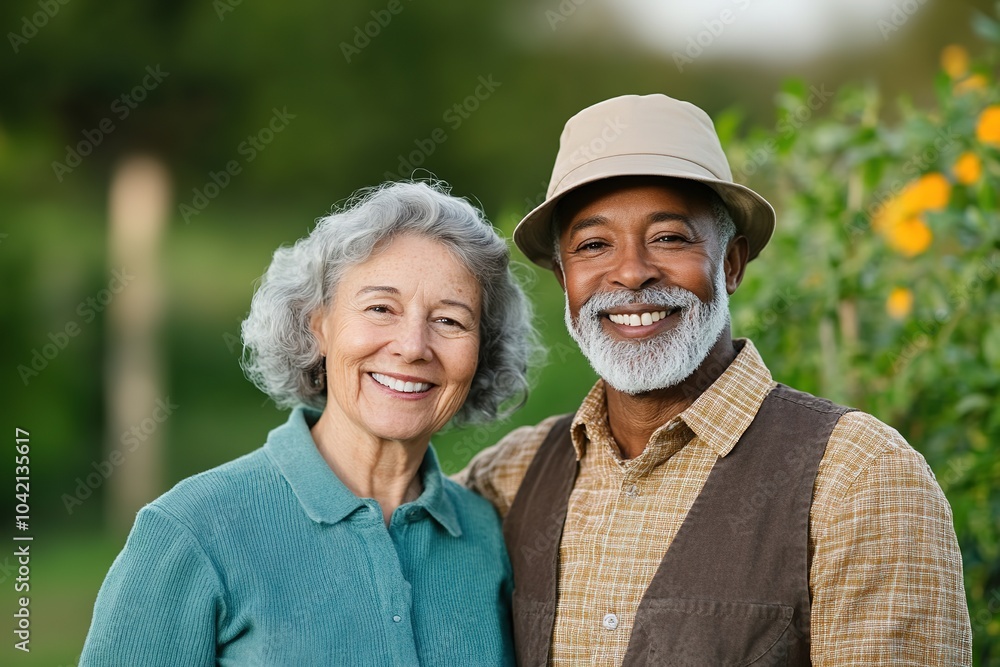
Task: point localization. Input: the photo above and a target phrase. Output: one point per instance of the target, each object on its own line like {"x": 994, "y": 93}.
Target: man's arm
{"x": 886, "y": 575}
{"x": 496, "y": 472}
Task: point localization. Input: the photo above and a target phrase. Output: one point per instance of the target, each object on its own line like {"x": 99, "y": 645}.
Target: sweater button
{"x": 610, "y": 621}
{"x": 397, "y": 618}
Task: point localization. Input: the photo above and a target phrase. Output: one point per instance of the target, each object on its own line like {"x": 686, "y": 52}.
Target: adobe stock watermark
{"x": 454, "y": 116}
{"x": 7, "y": 569}
{"x": 596, "y": 147}
{"x": 562, "y": 13}
{"x": 914, "y": 166}
{"x": 130, "y": 441}
{"x": 31, "y": 25}
{"x": 364, "y": 34}
{"x": 531, "y": 203}
{"x": 543, "y": 545}
{"x": 901, "y": 13}
{"x": 611, "y": 131}
{"x": 785, "y": 128}
{"x": 121, "y": 108}
{"x": 233, "y": 341}
{"x": 958, "y": 469}
{"x": 490, "y": 433}
{"x": 59, "y": 340}
{"x": 711, "y": 30}
{"x": 248, "y": 150}
{"x": 984, "y": 616}
{"x": 477, "y": 439}
{"x": 223, "y": 7}
{"x": 780, "y": 304}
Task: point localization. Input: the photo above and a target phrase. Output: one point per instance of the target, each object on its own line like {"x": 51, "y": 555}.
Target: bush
{"x": 879, "y": 289}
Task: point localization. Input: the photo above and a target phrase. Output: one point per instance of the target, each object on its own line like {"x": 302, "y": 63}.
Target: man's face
{"x": 647, "y": 280}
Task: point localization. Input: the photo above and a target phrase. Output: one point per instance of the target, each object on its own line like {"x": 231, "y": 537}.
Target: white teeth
{"x": 645, "y": 319}
{"x": 399, "y": 385}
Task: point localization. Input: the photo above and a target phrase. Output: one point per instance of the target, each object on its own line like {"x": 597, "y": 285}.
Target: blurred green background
{"x": 179, "y": 143}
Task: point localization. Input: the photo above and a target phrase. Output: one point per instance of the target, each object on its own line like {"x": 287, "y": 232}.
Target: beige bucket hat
{"x": 642, "y": 135}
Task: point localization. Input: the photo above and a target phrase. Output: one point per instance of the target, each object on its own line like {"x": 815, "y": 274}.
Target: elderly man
{"x": 693, "y": 511}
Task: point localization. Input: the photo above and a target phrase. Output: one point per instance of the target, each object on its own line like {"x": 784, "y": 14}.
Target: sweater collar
{"x": 321, "y": 493}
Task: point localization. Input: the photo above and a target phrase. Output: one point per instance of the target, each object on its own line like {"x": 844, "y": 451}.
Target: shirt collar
{"x": 434, "y": 498}
{"x": 718, "y": 417}
{"x": 323, "y": 496}
{"x": 724, "y": 411}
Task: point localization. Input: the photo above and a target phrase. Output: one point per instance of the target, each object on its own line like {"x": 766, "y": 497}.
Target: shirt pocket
{"x": 694, "y": 633}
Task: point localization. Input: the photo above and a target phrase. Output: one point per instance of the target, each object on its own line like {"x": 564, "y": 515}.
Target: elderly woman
{"x": 340, "y": 542}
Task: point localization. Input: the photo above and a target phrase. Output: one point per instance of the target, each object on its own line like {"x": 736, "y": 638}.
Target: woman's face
{"x": 401, "y": 339}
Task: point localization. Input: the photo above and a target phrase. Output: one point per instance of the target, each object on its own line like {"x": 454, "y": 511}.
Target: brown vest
{"x": 733, "y": 588}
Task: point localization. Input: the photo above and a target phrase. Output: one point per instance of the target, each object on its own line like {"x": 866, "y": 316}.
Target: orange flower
{"x": 900, "y": 303}
{"x": 988, "y": 128}
{"x": 910, "y": 237}
{"x": 955, "y": 61}
{"x": 889, "y": 215}
{"x": 974, "y": 82}
{"x": 930, "y": 192}
{"x": 968, "y": 168}
{"x": 900, "y": 219}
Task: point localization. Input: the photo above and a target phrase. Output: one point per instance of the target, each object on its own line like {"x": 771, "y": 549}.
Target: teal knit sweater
{"x": 271, "y": 560}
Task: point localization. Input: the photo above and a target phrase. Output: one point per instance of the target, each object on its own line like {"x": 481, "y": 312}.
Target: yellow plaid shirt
{"x": 886, "y": 572}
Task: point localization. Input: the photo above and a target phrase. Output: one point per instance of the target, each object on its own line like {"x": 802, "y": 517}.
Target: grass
{"x": 66, "y": 573}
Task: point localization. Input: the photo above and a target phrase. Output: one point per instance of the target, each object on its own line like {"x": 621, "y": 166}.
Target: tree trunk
{"x": 137, "y": 404}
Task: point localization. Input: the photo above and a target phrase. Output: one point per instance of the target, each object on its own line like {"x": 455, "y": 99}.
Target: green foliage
{"x": 879, "y": 288}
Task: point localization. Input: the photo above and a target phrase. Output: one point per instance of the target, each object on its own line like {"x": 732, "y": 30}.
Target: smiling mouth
{"x": 641, "y": 319}
{"x": 400, "y": 385}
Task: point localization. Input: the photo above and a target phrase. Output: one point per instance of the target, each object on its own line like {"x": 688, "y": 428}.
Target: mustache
{"x": 660, "y": 298}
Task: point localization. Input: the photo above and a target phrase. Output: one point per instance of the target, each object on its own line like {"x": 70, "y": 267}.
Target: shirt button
{"x": 397, "y": 618}
{"x": 610, "y": 621}
{"x": 632, "y": 491}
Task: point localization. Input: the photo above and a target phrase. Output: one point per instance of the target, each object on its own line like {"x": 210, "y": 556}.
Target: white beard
{"x": 666, "y": 360}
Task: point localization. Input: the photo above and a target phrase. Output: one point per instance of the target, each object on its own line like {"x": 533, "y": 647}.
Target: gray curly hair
{"x": 280, "y": 352}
